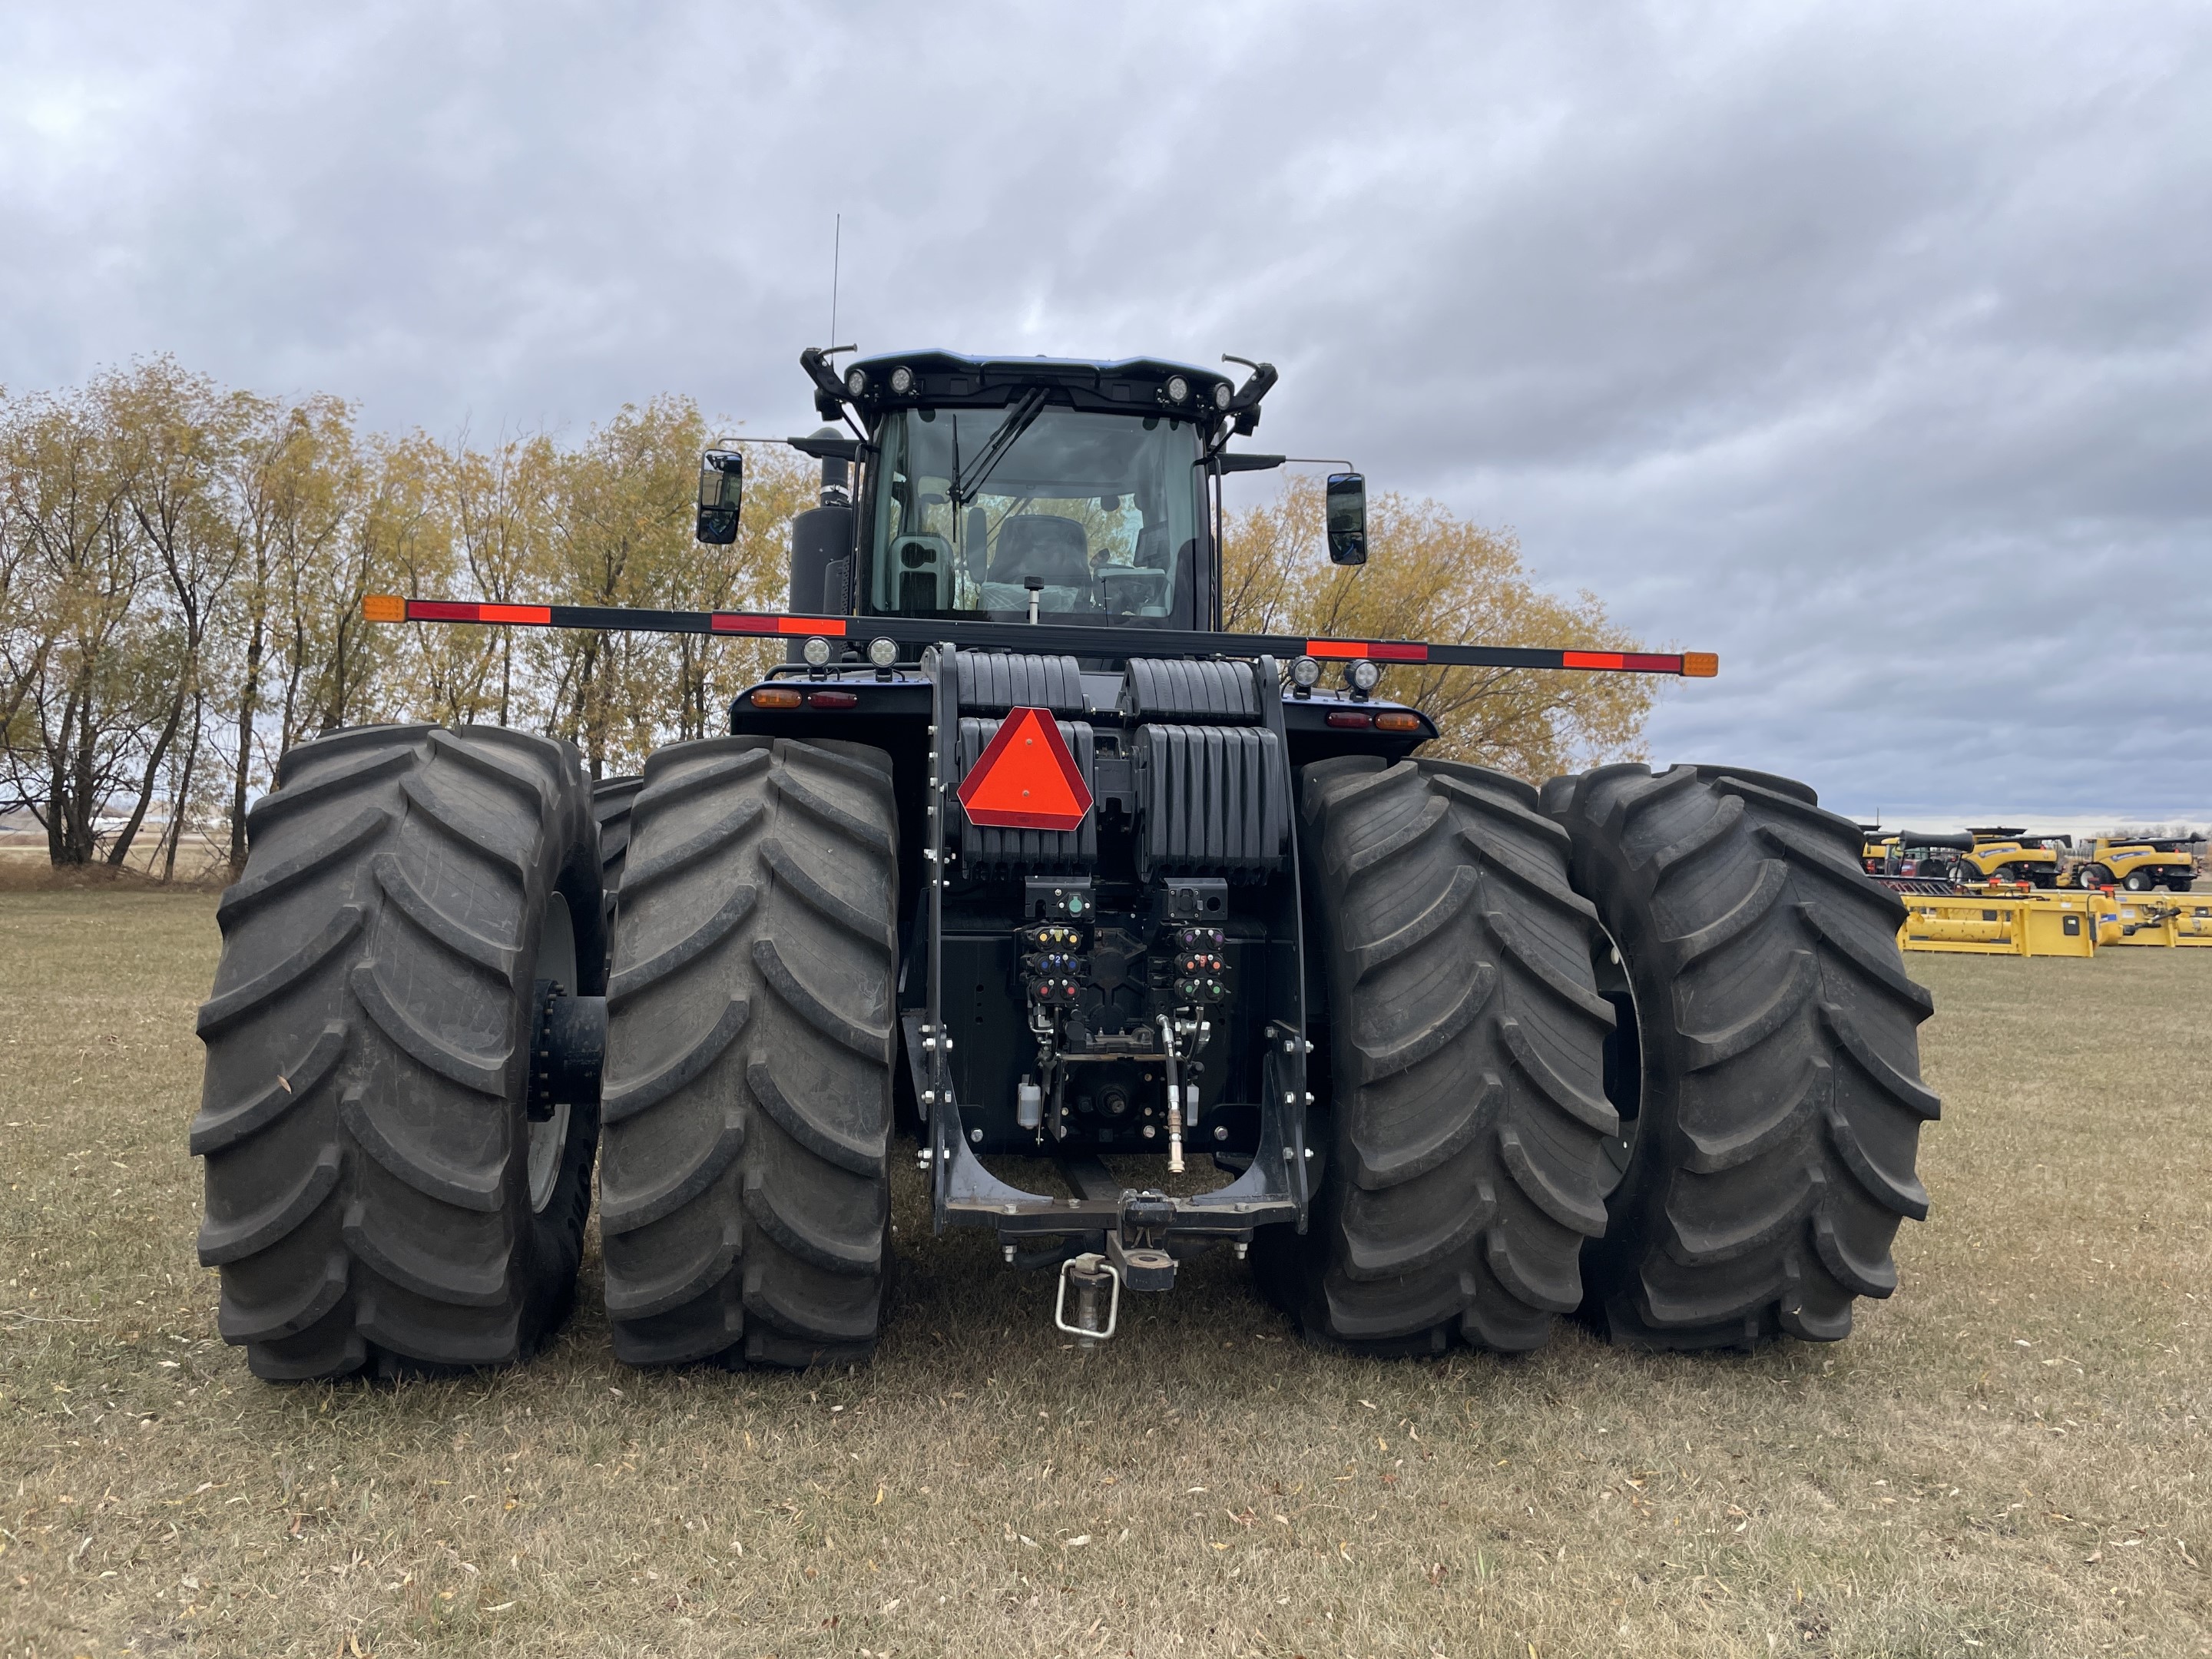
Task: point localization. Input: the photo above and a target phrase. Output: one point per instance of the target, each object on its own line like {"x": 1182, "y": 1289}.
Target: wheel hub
{"x": 568, "y": 1050}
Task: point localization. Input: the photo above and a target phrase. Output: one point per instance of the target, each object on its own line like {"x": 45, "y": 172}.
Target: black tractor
{"x": 1020, "y": 857}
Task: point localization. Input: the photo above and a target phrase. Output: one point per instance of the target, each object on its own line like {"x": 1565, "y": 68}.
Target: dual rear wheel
{"x": 393, "y": 1183}
{"x": 1639, "y": 1046}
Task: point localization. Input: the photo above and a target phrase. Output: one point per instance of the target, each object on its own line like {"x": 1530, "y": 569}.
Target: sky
{"x": 1867, "y": 345}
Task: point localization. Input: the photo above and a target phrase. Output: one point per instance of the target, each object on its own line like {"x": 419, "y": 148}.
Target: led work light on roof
{"x": 1221, "y": 394}
{"x": 902, "y": 379}
{"x": 1305, "y": 673}
{"x": 883, "y": 653}
{"x": 1362, "y": 675}
{"x": 1178, "y": 388}
{"x": 817, "y": 651}
{"x": 856, "y": 381}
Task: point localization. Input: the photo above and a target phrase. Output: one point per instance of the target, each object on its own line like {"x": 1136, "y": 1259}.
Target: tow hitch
{"x": 1134, "y": 1257}
{"x": 1093, "y": 1278}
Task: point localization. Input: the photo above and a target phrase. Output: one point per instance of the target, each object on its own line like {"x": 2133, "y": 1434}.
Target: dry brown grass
{"x": 2011, "y": 1454}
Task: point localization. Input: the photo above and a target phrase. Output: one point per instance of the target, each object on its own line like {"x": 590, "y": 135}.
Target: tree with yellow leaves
{"x": 1433, "y": 576}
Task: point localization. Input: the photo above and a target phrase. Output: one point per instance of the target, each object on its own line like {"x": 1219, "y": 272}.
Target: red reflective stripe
{"x": 1380, "y": 650}
{"x": 440, "y": 610}
{"x": 1634, "y": 662}
{"x": 539, "y": 616}
{"x": 733, "y": 621}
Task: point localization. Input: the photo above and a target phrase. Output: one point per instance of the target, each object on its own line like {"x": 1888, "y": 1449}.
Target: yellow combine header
{"x": 2051, "y": 924}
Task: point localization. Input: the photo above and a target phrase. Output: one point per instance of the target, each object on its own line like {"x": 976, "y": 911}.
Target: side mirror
{"x": 1348, "y": 518}
{"x": 722, "y": 485}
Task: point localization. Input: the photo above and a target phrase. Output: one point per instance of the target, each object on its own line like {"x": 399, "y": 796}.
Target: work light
{"x": 1362, "y": 675}
{"x": 817, "y": 651}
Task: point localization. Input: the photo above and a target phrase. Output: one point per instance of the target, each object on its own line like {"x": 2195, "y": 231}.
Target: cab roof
{"x": 1130, "y": 385}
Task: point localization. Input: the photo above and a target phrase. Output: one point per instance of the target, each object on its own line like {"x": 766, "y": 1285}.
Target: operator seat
{"x": 1053, "y": 550}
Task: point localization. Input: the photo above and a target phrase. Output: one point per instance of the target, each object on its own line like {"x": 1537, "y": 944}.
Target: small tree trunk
{"x": 121, "y": 851}
{"x": 248, "y": 696}
{"x": 180, "y": 794}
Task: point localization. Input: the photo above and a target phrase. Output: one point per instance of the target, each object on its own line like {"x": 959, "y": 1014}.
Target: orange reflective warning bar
{"x": 920, "y": 633}
{"x": 736, "y": 621}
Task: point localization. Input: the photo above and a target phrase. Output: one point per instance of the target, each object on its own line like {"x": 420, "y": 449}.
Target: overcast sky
{"x": 1868, "y": 345}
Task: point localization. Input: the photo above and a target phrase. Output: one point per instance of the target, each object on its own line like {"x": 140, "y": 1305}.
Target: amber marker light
{"x": 775, "y": 696}
{"x": 1700, "y": 665}
{"x": 1397, "y": 720}
{"x": 383, "y": 607}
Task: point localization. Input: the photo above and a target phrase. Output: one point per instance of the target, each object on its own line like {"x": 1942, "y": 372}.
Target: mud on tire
{"x": 1465, "y": 1160}
{"x": 1774, "y": 1110}
{"x": 376, "y": 1196}
{"x": 745, "y": 1195}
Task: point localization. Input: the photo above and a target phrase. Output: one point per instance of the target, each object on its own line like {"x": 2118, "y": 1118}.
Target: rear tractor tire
{"x": 1767, "y": 1070}
{"x": 612, "y": 800}
{"x": 744, "y": 1197}
{"x": 378, "y": 1195}
{"x": 1462, "y": 1159}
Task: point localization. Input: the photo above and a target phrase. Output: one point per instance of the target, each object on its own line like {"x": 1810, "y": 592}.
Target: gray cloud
{"x": 1870, "y": 346}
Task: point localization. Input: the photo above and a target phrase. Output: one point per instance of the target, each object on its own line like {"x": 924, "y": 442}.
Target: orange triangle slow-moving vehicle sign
{"x": 1025, "y": 779}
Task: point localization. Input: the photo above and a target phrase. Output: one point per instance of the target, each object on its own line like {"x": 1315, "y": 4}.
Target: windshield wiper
{"x": 1018, "y": 420}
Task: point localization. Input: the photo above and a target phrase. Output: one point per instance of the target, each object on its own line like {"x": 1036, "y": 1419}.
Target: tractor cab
{"x": 1045, "y": 490}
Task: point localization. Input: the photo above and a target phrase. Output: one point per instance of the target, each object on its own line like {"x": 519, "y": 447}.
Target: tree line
{"x": 182, "y": 566}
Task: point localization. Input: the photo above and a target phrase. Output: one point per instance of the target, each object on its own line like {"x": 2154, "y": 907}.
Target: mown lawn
{"x": 2011, "y": 1457}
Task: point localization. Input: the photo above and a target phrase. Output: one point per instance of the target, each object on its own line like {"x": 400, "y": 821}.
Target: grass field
{"x": 2010, "y": 1457}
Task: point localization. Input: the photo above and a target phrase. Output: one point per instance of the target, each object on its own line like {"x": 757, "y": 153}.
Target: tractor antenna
{"x": 836, "y": 258}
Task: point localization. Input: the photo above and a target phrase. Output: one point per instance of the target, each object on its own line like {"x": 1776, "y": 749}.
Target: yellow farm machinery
{"x": 2138, "y": 866}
